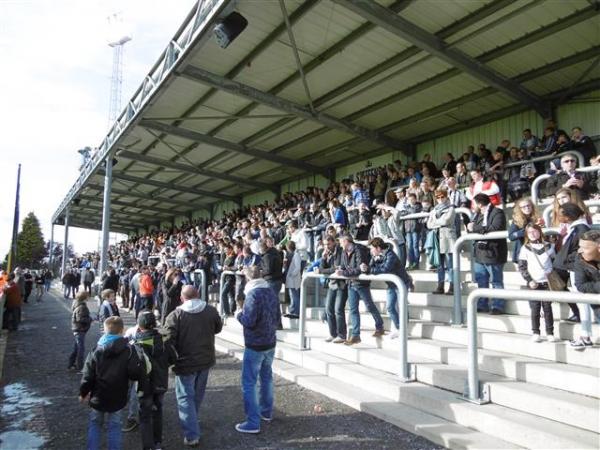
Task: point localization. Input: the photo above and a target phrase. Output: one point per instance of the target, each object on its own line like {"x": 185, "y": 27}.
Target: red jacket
{"x": 146, "y": 286}
{"x": 13, "y": 295}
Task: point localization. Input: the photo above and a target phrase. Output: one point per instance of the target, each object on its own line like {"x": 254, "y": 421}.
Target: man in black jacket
{"x": 568, "y": 177}
{"x": 105, "y": 382}
{"x": 353, "y": 256}
{"x": 490, "y": 255}
{"x": 271, "y": 268}
{"x": 190, "y": 336}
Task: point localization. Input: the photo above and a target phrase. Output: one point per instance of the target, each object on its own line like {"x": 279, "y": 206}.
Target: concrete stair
{"x": 538, "y": 417}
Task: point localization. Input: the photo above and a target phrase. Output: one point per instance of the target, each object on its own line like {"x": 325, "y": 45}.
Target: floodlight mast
{"x": 116, "y": 81}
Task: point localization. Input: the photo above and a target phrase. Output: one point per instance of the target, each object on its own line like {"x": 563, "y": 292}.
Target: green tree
{"x": 31, "y": 247}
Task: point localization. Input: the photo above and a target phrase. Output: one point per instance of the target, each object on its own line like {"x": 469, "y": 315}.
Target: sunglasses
{"x": 569, "y": 160}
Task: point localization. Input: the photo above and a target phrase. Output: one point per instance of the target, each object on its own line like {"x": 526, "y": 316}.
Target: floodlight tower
{"x": 116, "y": 80}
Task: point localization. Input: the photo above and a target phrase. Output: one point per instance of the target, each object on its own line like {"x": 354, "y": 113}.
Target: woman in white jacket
{"x": 293, "y": 279}
{"x": 441, "y": 219}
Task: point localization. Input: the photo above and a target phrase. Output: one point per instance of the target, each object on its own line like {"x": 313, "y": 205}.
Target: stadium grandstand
{"x": 343, "y": 121}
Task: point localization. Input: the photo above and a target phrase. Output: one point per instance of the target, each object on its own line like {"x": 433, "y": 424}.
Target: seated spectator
{"x": 530, "y": 142}
{"x": 587, "y": 280}
{"x": 480, "y": 186}
{"x": 449, "y": 164}
{"x": 583, "y": 144}
{"x": 520, "y": 177}
{"x": 568, "y": 177}
{"x": 566, "y": 195}
{"x": 463, "y": 177}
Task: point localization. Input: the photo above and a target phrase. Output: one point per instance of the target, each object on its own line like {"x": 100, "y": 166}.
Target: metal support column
{"x": 50, "y": 247}
{"x": 66, "y": 243}
{"x": 106, "y": 213}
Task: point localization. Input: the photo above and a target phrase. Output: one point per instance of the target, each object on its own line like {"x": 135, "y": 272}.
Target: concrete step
{"x": 524, "y": 429}
{"x": 436, "y": 429}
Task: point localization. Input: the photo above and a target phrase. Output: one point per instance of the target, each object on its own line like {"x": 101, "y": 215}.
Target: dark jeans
{"x": 228, "y": 297}
{"x": 143, "y": 303}
{"x": 87, "y": 287}
{"x": 335, "y": 305}
{"x": 151, "y": 419}
{"x": 12, "y": 317}
{"x": 78, "y": 352}
{"x": 412, "y": 247}
{"x": 484, "y": 273}
{"x": 355, "y": 293}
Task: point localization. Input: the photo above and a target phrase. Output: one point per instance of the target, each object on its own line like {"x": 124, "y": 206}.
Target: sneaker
{"x": 245, "y": 427}
{"x": 191, "y": 442}
{"x": 130, "y": 425}
{"x": 394, "y": 334}
{"x": 266, "y": 419}
{"x": 574, "y": 318}
{"x": 338, "y": 340}
{"x": 353, "y": 340}
{"x": 581, "y": 343}
{"x": 536, "y": 338}
{"x": 329, "y": 339}
{"x": 378, "y": 333}
{"x": 552, "y": 338}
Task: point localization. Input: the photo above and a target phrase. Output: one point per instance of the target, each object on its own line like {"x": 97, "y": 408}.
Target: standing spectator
{"x": 14, "y": 301}
{"x": 535, "y": 262}
{"x": 146, "y": 297}
{"x": 109, "y": 307}
{"x": 271, "y": 266}
{"x": 124, "y": 284}
{"x": 76, "y": 280}
{"x": 259, "y": 317}
{"x": 39, "y": 285}
{"x": 48, "y": 275}
{"x": 573, "y": 216}
{"x": 153, "y": 387}
{"x": 134, "y": 288}
{"x": 384, "y": 260}
{"x": 80, "y": 325}
{"x": 441, "y": 222}
{"x": 412, "y": 230}
{"x": 67, "y": 281}
{"x": 228, "y": 290}
{"x": 172, "y": 286}
{"x": 352, "y": 257}
{"x": 108, "y": 369}
{"x": 337, "y": 291}
{"x": 490, "y": 255}
{"x": 28, "y": 284}
{"x": 88, "y": 280}
{"x": 587, "y": 280}
{"x": 524, "y": 213}
{"x": 293, "y": 279}
{"x": 190, "y": 332}
{"x": 111, "y": 281}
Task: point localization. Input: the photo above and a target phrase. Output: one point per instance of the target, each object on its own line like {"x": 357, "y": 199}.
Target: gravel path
{"x": 39, "y": 407}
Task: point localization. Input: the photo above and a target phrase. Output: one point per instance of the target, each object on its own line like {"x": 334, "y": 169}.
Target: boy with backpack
{"x": 80, "y": 325}
{"x": 152, "y": 388}
{"x": 108, "y": 369}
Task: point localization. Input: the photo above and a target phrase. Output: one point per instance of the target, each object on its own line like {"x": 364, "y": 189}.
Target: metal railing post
{"x": 475, "y": 392}
{"x": 302, "y": 344}
{"x": 66, "y": 243}
{"x": 106, "y": 212}
{"x": 535, "y": 185}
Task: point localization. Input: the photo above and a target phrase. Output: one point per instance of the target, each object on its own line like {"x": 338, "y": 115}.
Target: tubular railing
{"x": 457, "y": 318}
{"x": 405, "y": 369}
{"x": 538, "y": 180}
{"x": 545, "y": 158}
{"x": 480, "y": 394}
{"x": 199, "y": 273}
{"x": 547, "y": 214}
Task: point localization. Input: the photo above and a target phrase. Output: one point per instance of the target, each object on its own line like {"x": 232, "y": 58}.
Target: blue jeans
{"x": 276, "y": 286}
{"x": 257, "y": 364}
{"x": 335, "y": 304}
{"x": 445, "y": 268}
{"x": 295, "y": 301}
{"x": 483, "y": 273}
{"x": 113, "y": 421}
{"x": 133, "y": 404}
{"x": 412, "y": 247}
{"x": 189, "y": 390}
{"x": 355, "y": 293}
{"x": 78, "y": 352}
{"x": 392, "y": 306}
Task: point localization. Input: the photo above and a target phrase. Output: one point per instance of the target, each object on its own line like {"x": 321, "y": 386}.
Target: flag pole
{"x": 12, "y": 254}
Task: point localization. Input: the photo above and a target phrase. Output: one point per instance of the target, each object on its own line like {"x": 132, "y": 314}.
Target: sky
{"x": 55, "y": 89}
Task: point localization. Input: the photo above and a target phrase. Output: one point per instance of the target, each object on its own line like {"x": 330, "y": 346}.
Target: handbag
{"x": 555, "y": 281}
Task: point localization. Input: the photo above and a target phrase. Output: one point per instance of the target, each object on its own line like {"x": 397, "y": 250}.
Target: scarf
{"x": 441, "y": 208}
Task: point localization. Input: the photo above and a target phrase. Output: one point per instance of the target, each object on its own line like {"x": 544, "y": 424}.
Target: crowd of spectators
{"x": 318, "y": 227}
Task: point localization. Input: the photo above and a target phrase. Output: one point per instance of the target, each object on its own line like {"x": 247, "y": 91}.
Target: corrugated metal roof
{"x": 358, "y": 74}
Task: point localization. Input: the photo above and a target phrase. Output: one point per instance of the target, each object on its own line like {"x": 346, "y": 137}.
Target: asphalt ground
{"x": 39, "y": 407}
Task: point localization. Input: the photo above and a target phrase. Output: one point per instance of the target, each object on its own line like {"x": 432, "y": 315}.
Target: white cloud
{"x": 54, "y": 88}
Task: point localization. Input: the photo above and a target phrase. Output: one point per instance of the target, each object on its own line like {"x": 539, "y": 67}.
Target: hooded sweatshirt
{"x": 190, "y": 336}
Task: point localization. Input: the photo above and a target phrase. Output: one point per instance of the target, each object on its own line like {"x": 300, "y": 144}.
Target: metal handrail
{"x": 546, "y": 158}
{"x": 405, "y": 369}
{"x": 203, "y": 286}
{"x": 457, "y": 318}
{"x": 547, "y": 214}
{"x": 474, "y": 392}
{"x": 535, "y": 185}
